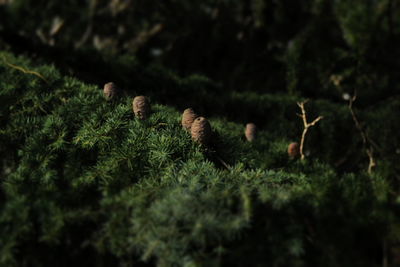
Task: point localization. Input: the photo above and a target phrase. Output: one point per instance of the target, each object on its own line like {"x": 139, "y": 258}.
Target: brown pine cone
{"x": 188, "y": 118}
{"x": 294, "y": 150}
{"x": 141, "y": 107}
{"x": 250, "y": 132}
{"x": 201, "y": 130}
{"x": 110, "y": 90}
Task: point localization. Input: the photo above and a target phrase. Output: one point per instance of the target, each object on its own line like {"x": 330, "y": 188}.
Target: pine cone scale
{"x": 250, "y": 132}
{"x": 294, "y": 150}
{"x": 141, "y": 107}
{"x": 110, "y": 90}
{"x": 201, "y": 130}
{"x": 188, "y": 118}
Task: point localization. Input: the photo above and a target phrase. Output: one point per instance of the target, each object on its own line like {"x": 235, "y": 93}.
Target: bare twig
{"x": 224, "y": 163}
{"x": 144, "y": 36}
{"x": 367, "y": 142}
{"x": 385, "y": 254}
{"x": 37, "y": 74}
{"x": 89, "y": 27}
{"x": 306, "y": 124}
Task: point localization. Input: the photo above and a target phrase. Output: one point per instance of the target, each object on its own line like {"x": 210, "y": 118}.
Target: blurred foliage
{"x": 259, "y": 45}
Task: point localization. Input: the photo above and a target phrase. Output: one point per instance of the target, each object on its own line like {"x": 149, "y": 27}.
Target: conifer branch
{"x": 306, "y": 124}
{"x": 367, "y": 142}
{"x": 37, "y": 74}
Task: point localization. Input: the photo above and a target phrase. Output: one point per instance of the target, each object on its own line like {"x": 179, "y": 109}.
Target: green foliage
{"x": 83, "y": 182}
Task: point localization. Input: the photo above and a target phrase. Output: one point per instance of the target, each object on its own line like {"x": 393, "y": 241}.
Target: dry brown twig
{"x": 367, "y": 142}
{"x": 306, "y": 124}
{"x": 37, "y": 74}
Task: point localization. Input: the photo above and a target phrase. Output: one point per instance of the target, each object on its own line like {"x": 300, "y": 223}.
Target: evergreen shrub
{"x": 84, "y": 183}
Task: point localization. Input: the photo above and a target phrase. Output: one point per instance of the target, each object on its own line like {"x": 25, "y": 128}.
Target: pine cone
{"x": 110, "y": 90}
{"x": 201, "y": 131}
{"x": 294, "y": 150}
{"x": 188, "y": 118}
{"x": 141, "y": 107}
{"x": 250, "y": 132}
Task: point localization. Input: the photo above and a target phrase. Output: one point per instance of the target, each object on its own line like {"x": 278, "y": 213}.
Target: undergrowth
{"x": 85, "y": 183}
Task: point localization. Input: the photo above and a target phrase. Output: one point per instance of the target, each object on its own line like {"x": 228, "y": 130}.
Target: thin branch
{"x": 385, "y": 254}
{"x": 89, "y": 27}
{"x": 37, "y": 74}
{"x": 224, "y": 163}
{"x": 367, "y": 142}
{"x": 306, "y": 124}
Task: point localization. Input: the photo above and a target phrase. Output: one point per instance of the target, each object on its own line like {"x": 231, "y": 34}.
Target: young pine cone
{"x": 294, "y": 150}
{"x": 250, "y": 132}
{"x": 141, "y": 107}
{"x": 188, "y": 118}
{"x": 110, "y": 90}
{"x": 201, "y": 131}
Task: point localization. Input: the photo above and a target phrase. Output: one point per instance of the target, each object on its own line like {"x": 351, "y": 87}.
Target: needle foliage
{"x": 84, "y": 182}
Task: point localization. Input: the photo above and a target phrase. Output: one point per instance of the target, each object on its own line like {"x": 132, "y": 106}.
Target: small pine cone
{"x": 201, "y": 131}
{"x": 188, "y": 118}
{"x": 250, "y": 132}
{"x": 110, "y": 90}
{"x": 294, "y": 150}
{"x": 141, "y": 107}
